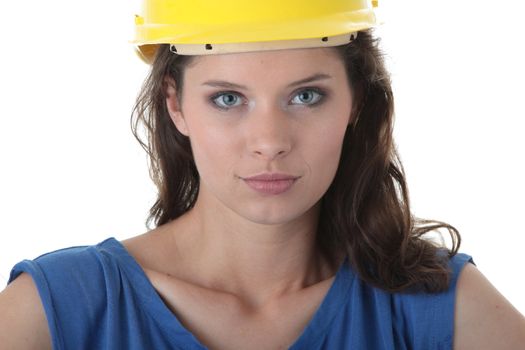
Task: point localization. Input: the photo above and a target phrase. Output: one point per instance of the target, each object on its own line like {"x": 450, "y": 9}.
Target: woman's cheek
{"x": 211, "y": 149}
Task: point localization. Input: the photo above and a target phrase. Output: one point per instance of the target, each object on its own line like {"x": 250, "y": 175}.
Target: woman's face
{"x": 275, "y": 112}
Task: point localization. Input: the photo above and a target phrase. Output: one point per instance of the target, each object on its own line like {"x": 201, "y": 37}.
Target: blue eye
{"x": 225, "y": 100}
{"x": 229, "y": 99}
{"x": 308, "y": 97}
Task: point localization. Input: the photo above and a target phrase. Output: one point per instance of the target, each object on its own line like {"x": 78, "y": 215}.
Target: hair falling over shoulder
{"x": 365, "y": 213}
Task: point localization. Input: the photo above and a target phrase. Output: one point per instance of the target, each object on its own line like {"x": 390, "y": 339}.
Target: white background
{"x": 72, "y": 173}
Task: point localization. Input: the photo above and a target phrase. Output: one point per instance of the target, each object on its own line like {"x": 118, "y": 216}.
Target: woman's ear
{"x": 174, "y": 107}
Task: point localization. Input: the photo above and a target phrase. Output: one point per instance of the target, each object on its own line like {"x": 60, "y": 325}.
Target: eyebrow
{"x": 230, "y": 85}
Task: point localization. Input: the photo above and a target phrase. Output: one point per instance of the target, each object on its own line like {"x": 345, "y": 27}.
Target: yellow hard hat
{"x": 200, "y": 27}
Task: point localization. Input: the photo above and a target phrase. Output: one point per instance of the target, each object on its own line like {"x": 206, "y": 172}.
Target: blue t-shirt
{"x": 98, "y": 297}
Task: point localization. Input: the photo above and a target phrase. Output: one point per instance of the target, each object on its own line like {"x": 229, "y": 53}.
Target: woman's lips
{"x": 271, "y": 183}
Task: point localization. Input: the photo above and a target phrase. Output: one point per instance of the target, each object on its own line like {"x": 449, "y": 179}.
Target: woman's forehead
{"x": 282, "y": 61}
{"x": 296, "y": 57}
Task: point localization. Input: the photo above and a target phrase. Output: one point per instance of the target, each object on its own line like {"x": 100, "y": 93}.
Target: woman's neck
{"x": 253, "y": 261}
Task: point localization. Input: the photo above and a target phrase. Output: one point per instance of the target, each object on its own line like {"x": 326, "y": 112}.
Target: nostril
{"x": 270, "y": 152}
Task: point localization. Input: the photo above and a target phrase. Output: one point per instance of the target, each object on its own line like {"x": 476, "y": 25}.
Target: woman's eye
{"x": 225, "y": 100}
{"x": 308, "y": 97}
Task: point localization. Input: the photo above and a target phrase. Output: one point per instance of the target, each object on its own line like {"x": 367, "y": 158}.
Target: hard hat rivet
{"x": 208, "y": 47}
{"x": 352, "y": 37}
{"x": 325, "y": 38}
{"x": 173, "y": 49}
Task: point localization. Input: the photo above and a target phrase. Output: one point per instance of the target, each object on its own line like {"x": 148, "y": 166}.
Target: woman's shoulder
{"x": 428, "y": 318}
{"x": 51, "y": 293}
{"x": 81, "y": 288}
{"x": 69, "y": 263}
{"x": 469, "y": 314}
{"x": 484, "y": 318}
{"x": 22, "y": 313}
{"x": 417, "y": 320}
{"x": 76, "y": 278}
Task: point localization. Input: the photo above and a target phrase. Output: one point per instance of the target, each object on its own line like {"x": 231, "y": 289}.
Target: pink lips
{"x": 271, "y": 183}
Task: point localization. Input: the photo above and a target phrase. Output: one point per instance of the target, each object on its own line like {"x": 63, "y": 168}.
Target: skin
{"x": 220, "y": 257}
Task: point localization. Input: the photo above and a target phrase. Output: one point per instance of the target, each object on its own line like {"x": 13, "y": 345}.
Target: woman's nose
{"x": 269, "y": 134}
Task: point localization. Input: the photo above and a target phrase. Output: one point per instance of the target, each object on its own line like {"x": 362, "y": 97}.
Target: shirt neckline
{"x": 332, "y": 303}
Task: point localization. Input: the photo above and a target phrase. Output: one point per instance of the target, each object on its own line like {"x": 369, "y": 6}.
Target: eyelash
{"x": 320, "y": 99}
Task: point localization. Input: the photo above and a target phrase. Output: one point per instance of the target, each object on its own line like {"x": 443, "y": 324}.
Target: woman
{"x": 282, "y": 219}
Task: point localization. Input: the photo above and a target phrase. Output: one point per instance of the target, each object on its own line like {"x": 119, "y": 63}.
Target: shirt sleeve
{"x": 70, "y": 283}
{"x": 427, "y": 319}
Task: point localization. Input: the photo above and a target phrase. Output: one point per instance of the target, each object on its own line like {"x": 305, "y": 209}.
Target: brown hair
{"x": 365, "y": 213}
